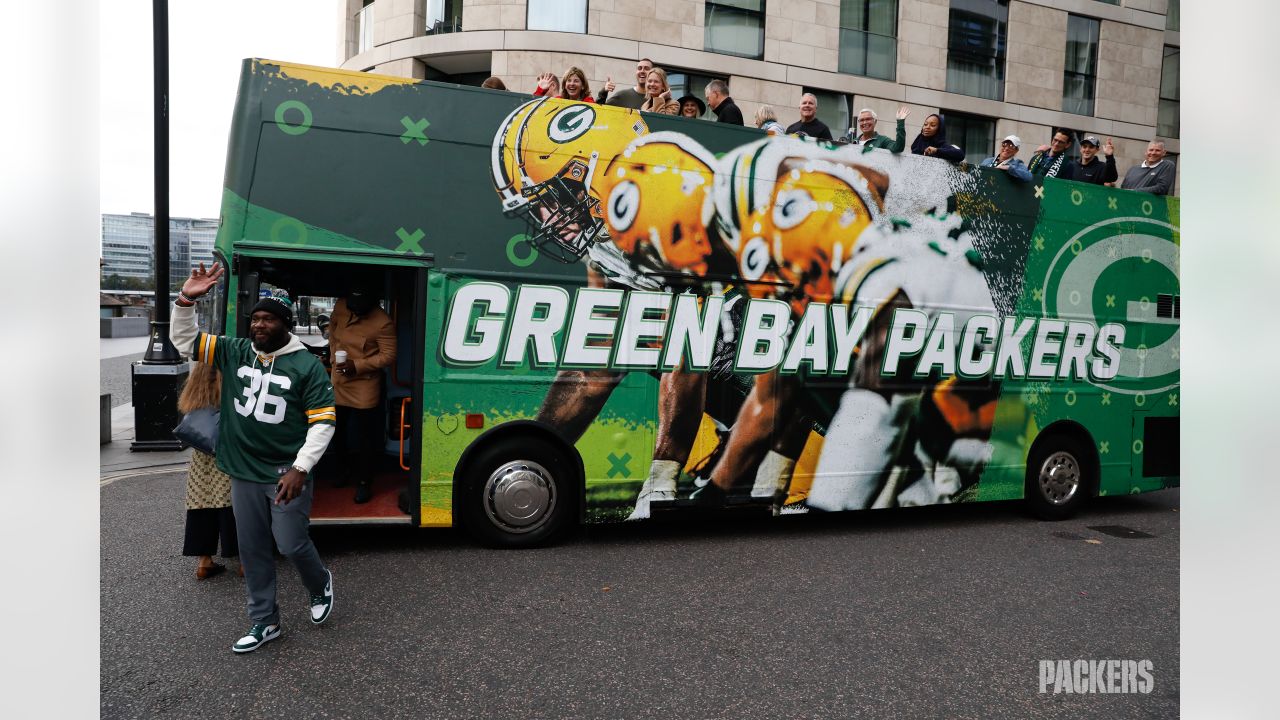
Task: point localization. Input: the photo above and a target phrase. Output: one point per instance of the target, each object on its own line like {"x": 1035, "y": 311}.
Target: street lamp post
{"x": 158, "y": 377}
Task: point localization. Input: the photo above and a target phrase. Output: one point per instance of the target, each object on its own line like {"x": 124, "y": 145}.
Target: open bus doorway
{"x": 393, "y": 466}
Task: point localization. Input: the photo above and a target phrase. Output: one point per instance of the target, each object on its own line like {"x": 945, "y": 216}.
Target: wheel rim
{"x": 519, "y": 496}
{"x": 1060, "y": 478}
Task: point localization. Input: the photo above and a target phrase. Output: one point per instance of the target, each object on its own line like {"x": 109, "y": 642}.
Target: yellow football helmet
{"x": 818, "y": 209}
{"x": 793, "y": 212}
{"x": 546, "y": 160}
{"x": 658, "y": 202}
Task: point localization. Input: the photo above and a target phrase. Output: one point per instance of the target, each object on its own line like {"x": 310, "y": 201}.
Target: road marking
{"x": 107, "y": 480}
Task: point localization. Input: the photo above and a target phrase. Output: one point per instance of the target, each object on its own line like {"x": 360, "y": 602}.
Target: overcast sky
{"x": 207, "y": 41}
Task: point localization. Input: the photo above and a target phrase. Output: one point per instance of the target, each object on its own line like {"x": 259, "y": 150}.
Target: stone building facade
{"x": 993, "y": 67}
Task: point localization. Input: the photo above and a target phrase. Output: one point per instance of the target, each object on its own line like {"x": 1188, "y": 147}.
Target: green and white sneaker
{"x": 258, "y": 635}
{"x": 322, "y": 605}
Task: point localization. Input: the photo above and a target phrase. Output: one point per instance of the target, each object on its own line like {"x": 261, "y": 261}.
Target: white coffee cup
{"x": 340, "y": 357}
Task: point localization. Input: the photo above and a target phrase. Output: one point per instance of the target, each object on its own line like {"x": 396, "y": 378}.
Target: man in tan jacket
{"x": 365, "y": 332}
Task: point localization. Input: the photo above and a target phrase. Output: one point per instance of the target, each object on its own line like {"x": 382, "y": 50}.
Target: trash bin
{"x": 155, "y": 405}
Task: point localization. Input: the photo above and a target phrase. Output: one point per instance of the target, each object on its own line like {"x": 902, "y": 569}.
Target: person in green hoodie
{"x": 869, "y": 138}
{"x": 277, "y": 417}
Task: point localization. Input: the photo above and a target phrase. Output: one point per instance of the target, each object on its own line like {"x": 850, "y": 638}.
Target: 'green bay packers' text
{"x": 545, "y": 326}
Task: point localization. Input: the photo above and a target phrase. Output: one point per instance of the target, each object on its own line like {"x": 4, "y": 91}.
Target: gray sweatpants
{"x": 260, "y": 525}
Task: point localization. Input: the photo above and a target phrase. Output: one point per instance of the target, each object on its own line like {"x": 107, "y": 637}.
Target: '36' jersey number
{"x": 258, "y": 400}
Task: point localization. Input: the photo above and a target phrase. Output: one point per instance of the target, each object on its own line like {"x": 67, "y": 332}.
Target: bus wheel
{"x": 518, "y": 494}
{"x": 1058, "y": 478}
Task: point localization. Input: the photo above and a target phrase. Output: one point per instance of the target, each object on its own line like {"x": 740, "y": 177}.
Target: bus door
{"x": 387, "y": 452}
{"x": 406, "y": 304}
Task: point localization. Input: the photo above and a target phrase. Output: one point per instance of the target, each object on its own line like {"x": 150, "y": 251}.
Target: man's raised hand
{"x": 201, "y": 280}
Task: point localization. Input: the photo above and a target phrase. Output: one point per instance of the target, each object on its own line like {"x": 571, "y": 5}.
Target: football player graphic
{"x": 792, "y": 212}
{"x": 546, "y": 159}
{"x": 554, "y": 164}
{"x": 908, "y": 441}
{"x": 659, "y": 213}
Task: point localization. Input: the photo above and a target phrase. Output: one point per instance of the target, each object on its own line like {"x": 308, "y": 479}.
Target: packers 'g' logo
{"x": 571, "y": 123}
{"x": 1119, "y": 270}
{"x": 624, "y": 205}
{"x": 755, "y": 259}
{"x": 792, "y": 207}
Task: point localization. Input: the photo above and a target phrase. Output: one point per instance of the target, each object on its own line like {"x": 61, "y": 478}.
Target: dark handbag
{"x": 199, "y": 429}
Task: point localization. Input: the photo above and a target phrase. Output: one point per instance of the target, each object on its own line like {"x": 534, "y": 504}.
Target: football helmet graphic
{"x": 658, "y": 204}
{"x": 793, "y": 212}
{"x": 547, "y": 157}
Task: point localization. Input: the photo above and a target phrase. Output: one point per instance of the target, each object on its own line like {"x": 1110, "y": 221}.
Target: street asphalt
{"x": 922, "y": 613}
{"x": 114, "y": 377}
{"x": 115, "y": 356}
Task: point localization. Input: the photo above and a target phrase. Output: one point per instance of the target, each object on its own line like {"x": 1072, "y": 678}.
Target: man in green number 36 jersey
{"x": 277, "y": 417}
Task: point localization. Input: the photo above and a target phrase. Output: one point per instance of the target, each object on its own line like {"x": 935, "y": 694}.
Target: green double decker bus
{"x": 605, "y": 315}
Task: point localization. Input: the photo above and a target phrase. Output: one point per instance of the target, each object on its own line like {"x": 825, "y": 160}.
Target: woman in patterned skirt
{"x": 209, "y": 515}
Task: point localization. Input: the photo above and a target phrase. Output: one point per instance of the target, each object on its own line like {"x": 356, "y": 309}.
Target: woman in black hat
{"x": 692, "y": 107}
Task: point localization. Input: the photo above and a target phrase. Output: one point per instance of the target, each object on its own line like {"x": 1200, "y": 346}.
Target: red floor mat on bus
{"x": 331, "y": 503}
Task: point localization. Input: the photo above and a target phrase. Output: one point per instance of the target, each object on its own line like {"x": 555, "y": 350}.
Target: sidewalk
{"x": 117, "y": 461}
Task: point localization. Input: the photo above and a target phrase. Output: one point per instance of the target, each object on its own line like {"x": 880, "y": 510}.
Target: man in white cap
{"x": 1006, "y": 159}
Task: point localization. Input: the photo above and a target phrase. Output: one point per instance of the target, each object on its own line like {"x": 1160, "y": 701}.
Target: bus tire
{"x": 519, "y": 493}
{"x": 1059, "y": 477}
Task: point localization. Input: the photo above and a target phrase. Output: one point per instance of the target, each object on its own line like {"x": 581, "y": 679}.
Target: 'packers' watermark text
{"x": 1096, "y": 676}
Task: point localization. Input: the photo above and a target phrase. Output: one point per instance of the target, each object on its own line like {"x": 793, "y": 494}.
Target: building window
{"x": 833, "y": 109}
{"x": 444, "y": 16}
{"x": 869, "y": 38}
{"x": 684, "y": 83}
{"x": 558, "y": 15}
{"x": 976, "y": 48}
{"x": 1079, "y": 78}
{"x": 364, "y": 22}
{"x": 975, "y": 134}
{"x": 1171, "y": 18}
{"x": 1167, "y": 116}
{"x": 735, "y": 27}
